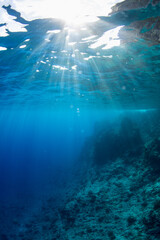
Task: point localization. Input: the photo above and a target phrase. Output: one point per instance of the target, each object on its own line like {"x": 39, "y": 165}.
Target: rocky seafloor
{"x": 117, "y": 195}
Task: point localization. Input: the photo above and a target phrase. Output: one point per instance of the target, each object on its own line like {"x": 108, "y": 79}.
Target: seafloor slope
{"x": 118, "y": 196}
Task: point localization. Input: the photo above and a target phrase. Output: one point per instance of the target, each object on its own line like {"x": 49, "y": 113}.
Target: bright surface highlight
{"x": 72, "y": 11}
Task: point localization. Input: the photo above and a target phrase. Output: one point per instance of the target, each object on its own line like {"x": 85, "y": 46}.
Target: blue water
{"x": 35, "y": 144}
{"x": 53, "y": 95}
{"x": 40, "y": 149}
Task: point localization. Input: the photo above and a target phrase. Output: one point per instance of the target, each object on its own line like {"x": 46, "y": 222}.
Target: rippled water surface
{"x": 102, "y": 63}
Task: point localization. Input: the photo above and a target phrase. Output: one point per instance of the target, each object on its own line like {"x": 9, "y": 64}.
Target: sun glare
{"x": 72, "y": 11}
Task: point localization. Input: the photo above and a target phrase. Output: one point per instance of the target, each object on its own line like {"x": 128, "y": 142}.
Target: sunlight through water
{"x": 72, "y": 11}
{"x": 75, "y": 53}
{"x": 79, "y": 119}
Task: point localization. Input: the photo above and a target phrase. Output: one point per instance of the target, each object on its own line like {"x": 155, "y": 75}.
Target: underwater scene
{"x": 79, "y": 120}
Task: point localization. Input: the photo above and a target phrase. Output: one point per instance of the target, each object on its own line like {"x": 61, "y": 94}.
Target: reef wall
{"x": 118, "y": 194}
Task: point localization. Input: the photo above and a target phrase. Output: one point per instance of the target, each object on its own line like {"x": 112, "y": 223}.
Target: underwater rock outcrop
{"x": 152, "y": 154}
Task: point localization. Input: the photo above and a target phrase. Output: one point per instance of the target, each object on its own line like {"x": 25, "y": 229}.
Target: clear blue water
{"x": 55, "y": 88}
{"x": 36, "y": 144}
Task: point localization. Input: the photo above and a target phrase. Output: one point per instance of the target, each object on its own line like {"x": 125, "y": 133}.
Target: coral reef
{"x": 117, "y": 195}
{"x": 116, "y": 202}
{"x": 117, "y": 198}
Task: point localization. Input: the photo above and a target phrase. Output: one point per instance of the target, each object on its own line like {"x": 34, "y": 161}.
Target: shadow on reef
{"x": 112, "y": 144}
{"x": 152, "y": 154}
{"x": 120, "y": 200}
